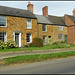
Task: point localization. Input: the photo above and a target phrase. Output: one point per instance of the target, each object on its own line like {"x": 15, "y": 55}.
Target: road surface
{"x": 55, "y": 66}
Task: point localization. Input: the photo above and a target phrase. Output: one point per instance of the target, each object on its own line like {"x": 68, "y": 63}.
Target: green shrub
{"x": 56, "y": 43}
{"x": 11, "y": 44}
{"x": 8, "y": 44}
{"x": 62, "y": 42}
{"x": 1, "y": 45}
{"x": 25, "y": 46}
{"x": 31, "y": 45}
{"x": 37, "y": 42}
{"x": 59, "y": 42}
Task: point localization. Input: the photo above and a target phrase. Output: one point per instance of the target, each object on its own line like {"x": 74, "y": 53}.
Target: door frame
{"x": 19, "y": 37}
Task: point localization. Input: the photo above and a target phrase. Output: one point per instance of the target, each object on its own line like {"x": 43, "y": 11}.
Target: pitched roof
{"x": 9, "y": 11}
{"x": 43, "y": 19}
{"x": 71, "y": 17}
{"x": 57, "y": 20}
{"x": 51, "y": 20}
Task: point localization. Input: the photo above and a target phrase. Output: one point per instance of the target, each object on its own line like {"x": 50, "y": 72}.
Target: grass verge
{"x": 11, "y": 49}
{"x": 48, "y": 47}
{"x": 72, "y": 45}
{"x": 38, "y": 48}
{"x": 34, "y": 58}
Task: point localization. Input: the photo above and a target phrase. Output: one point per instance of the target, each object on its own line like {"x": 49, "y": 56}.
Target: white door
{"x": 17, "y": 39}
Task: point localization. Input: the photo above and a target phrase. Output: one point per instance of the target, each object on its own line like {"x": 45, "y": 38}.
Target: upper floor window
{"x": 3, "y": 36}
{"x": 2, "y": 21}
{"x": 29, "y": 24}
{"x": 44, "y": 27}
{"x": 61, "y": 28}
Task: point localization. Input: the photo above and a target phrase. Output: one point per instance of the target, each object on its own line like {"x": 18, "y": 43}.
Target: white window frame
{"x": 61, "y": 38}
{"x": 26, "y": 24}
{"x": 46, "y": 28}
{"x": 60, "y": 28}
{"x": 30, "y": 38}
{"x": 6, "y": 22}
{"x": 5, "y": 36}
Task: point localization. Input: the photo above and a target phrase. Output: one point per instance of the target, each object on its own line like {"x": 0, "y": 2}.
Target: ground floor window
{"x": 60, "y": 36}
{"x": 29, "y": 37}
{"x": 45, "y": 39}
{"x": 3, "y": 36}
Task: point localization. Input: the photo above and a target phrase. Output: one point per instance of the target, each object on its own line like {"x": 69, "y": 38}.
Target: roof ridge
{"x": 55, "y": 16}
{"x": 11, "y": 7}
{"x": 11, "y": 11}
{"x": 70, "y": 15}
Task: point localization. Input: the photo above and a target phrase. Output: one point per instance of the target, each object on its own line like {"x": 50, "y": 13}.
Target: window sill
{"x": 28, "y": 29}
{"x": 3, "y": 26}
{"x": 60, "y": 30}
{"x": 44, "y": 31}
{"x": 60, "y": 39}
{"x": 29, "y": 42}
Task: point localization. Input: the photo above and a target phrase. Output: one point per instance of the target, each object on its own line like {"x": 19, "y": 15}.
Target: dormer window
{"x": 2, "y": 21}
{"x": 29, "y": 23}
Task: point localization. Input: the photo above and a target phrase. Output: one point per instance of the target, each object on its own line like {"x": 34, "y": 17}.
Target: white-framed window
{"x": 29, "y": 37}
{"x": 2, "y": 21}
{"x": 3, "y": 36}
{"x": 45, "y": 39}
{"x": 61, "y": 28}
{"x": 44, "y": 27}
{"x": 29, "y": 23}
{"x": 60, "y": 36}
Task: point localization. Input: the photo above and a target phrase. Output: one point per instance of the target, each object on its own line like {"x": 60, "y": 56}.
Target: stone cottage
{"x": 22, "y": 26}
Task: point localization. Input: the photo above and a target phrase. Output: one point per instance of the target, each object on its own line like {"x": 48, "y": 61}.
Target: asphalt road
{"x": 55, "y": 66}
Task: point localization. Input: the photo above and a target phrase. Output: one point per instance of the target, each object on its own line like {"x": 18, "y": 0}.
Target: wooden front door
{"x": 17, "y": 38}
{"x": 66, "y": 38}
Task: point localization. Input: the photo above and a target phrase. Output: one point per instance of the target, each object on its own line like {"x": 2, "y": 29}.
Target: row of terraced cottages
{"x": 22, "y": 26}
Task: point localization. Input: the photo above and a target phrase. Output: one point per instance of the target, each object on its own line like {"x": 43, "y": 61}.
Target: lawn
{"x": 12, "y": 49}
{"x": 37, "y": 57}
{"x": 71, "y": 45}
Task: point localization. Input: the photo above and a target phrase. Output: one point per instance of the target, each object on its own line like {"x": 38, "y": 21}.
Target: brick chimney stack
{"x": 30, "y": 7}
{"x": 73, "y": 12}
{"x": 45, "y": 11}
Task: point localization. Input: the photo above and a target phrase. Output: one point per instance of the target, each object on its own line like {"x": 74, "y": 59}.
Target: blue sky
{"x": 57, "y": 8}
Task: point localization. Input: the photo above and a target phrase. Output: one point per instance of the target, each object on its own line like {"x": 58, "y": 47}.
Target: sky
{"x": 56, "y": 8}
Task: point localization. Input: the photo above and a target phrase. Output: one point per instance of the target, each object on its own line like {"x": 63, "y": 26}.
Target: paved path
{"x": 55, "y": 66}
{"x": 33, "y": 52}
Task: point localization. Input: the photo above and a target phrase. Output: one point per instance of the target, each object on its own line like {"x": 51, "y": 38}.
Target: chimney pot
{"x": 30, "y": 7}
